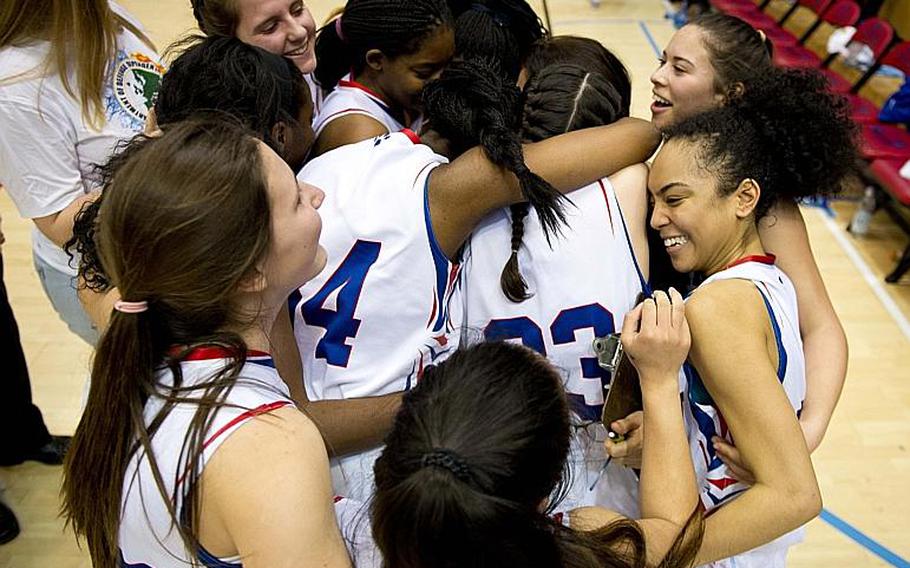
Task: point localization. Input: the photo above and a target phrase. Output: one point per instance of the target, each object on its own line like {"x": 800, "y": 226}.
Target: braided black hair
{"x": 470, "y": 105}
{"x": 501, "y": 30}
{"x": 394, "y": 27}
{"x": 787, "y": 131}
{"x": 558, "y": 99}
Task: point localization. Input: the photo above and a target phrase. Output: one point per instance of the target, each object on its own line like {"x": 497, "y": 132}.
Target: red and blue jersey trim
{"x": 211, "y": 352}
{"x": 376, "y": 97}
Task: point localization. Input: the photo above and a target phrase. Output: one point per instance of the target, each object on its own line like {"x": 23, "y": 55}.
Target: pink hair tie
{"x": 131, "y": 307}
{"x": 338, "y": 28}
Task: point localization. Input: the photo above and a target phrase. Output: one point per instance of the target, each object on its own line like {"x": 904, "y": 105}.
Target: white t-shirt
{"x": 47, "y": 149}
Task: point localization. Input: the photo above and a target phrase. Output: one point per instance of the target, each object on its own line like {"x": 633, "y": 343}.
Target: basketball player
{"x": 556, "y": 295}
{"x": 396, "y": 216}
{"x": 375, "y": 58}
{"x": 716, "y": 177}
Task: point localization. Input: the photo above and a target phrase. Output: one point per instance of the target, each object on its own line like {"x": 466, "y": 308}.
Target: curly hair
{"x": 788, "y": 132}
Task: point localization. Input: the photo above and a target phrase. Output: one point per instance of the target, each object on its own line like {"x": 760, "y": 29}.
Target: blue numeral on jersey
{"x": 563, "y": 330}
{"x": 516, "y": 328}
{"x": 340, "y": 323}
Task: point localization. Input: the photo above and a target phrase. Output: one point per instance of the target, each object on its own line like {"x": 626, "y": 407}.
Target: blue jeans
{"x": 60, "y": 288}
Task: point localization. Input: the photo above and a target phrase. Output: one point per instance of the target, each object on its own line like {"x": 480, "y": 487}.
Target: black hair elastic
{"x": 449, "y": 460}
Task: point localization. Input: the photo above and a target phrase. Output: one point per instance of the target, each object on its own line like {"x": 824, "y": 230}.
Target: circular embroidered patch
{"x": 136, "y": 81}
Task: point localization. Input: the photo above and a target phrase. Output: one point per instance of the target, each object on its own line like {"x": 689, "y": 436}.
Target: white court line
{"x": 871, "y": 279}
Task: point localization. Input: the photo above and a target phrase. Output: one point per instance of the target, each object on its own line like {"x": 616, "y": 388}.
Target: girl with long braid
{"x": 396, "y": 216}
{"x": 500, "y": 31}
{"x": 509, "y": 287}
{"x": 375, "y": 58}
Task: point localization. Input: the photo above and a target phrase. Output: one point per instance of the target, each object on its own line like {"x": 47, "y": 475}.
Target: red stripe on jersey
{"x": 411, "y": 135}
{"x": 603, "y": 190}
{"x": 352, "y": 84}
{"x": 262, "y": 409}
{"x": 723, "y": 483}
{"x": 337, "y": 498}
{"x": 766, "y": 258}
{"x": 433, "y": 313}
{"x": 205, "y": 353}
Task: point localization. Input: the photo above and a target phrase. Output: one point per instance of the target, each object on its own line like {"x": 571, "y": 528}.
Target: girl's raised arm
{"x": 463, "y": 192}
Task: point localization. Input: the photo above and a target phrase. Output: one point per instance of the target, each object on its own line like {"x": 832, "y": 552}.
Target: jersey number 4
{"x": 340, "y": 323}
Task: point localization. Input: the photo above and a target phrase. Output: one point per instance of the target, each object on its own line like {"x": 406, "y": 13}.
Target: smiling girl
{"x": 282, "y": 27}
{"x": 169, "y": 478}
{"x": 717, "y": 176}
{"x": 708, "y": 64}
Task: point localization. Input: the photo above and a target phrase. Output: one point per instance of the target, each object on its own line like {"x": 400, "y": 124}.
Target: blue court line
{"x": 866, "y": 542}
{"x": 820, "y": 202}
{"x": 650, "y": 38}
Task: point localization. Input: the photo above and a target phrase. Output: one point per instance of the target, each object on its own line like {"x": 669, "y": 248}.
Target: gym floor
{"x": 863, "y": 465}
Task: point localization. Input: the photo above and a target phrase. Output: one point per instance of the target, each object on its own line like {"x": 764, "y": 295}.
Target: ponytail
{"x": 159, "y": 240}
{"x": 471, "y": 105}
{"x": 333, "y": 55}
{"x": 471, "y": 457}
{"x": 511, "y": 281}
{"x": 559, "y": 99}
{"x": 92, "y": 488}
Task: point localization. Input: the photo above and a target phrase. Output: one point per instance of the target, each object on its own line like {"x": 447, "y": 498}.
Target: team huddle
{"x": 347, "y": 283}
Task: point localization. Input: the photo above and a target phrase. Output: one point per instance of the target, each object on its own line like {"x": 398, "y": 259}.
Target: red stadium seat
{"x": 727, "y": 6}
{"x": 873, "y": 32}
{"x": 774, "y": 29}
{"x": 864, "y": 111}
{"x": 883, "y": 141}
{"x": 842, "y": 13}
{"x": 887, "y": 174}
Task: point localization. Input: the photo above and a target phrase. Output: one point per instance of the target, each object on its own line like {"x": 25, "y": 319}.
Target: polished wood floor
{"x": 863, "y": 466}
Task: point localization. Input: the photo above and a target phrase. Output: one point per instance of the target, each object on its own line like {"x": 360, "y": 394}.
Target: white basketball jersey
{"x": 376, "y": 315}
{"x": 582, "y": 284}
{"x": 704, "y": 420}
{"x": 147, "y": 534}
{"x": 316, "y": 94}
{"x": 350, "y": 97}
